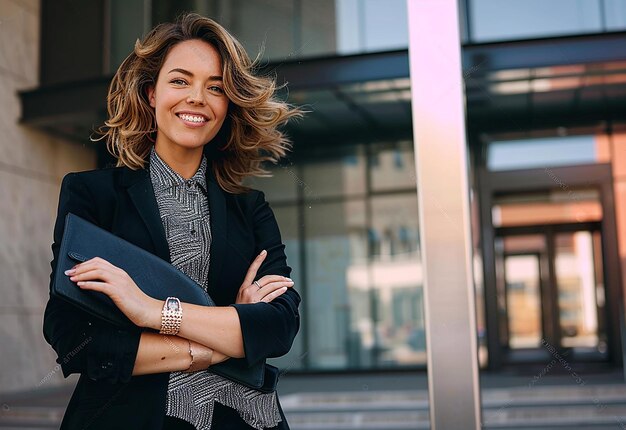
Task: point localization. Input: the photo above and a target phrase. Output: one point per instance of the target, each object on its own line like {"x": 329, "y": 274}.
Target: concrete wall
{"x": 32, "y": 165}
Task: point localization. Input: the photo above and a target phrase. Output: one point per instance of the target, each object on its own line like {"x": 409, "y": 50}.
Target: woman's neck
{"x": 185, "y": 162}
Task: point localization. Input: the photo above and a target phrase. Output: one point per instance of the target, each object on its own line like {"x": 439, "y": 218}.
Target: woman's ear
{"x": 150, "y": 92}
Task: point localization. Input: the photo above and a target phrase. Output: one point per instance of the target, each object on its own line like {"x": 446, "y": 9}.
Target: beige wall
{"x": 32, "y": 164}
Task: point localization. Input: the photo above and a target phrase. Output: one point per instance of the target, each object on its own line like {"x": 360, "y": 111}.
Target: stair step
{"x": 579, "y": 417}
{"x": 579, "y": 407}
{"x": 492, "y": 399}
{"x": 520, "y": 408}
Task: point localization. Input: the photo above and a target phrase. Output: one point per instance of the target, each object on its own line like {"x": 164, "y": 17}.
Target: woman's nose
{"x": 196, "y": 96}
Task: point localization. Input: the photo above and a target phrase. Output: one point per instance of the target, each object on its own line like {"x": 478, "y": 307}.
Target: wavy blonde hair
{"x": 249, "y": 135}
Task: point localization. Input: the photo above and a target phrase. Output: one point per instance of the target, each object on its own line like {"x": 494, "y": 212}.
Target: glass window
{"x": 385, "y": 24}
{"x": 395, "y": 281}
{"x": 615, "y": 13}
{"x": 128, "y": 23}
{"x": 285, "y": 29}
{"x": 319, "y": 29}
{"x": 371, "y": 25}
{"x": 287, "y": 218}
{"x": 551, "y": 151}
{"x": 282, "y": 186}
{"x": 334, "y": 173}
{"x": 580, "y": 287}
{"x": 523, "y": 300}
{"x": 552, "y": 207}
{"x": 337, "y": 285}
{"x": 513, "y": 19}
{"x": 393, "y": 167}
{"x": 267, "y": 23}
{"x": 355, "y": 256}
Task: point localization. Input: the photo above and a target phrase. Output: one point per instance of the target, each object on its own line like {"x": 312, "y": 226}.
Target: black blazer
{"x": 122, "y": 201}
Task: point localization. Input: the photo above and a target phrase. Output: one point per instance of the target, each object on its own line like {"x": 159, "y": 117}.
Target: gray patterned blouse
{"x": 184, "y": 208}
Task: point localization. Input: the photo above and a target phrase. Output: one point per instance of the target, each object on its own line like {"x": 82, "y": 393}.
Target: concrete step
{"x": 555, "y": 407}
{"x": 577, "y": 407}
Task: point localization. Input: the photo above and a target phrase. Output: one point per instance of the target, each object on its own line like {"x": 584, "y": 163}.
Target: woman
{"x": 187, "y": 122}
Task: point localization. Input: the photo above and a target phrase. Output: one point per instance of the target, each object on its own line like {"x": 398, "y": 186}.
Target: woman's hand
{"x": 265, "y": 289}
{"x": 98, "y": 274}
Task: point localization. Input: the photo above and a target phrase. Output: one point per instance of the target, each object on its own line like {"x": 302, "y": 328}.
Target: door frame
{"x": 550, "y": 311}
{"x": 541, "y": 179}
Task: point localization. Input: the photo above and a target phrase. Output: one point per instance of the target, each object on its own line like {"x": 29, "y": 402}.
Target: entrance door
{"x": 550, "y": 288}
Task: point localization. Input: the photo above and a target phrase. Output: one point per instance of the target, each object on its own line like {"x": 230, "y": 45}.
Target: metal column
{"x": 443, "y": 195}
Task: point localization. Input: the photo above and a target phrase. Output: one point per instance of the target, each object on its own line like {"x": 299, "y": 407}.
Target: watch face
{"x": 172, "y": 305}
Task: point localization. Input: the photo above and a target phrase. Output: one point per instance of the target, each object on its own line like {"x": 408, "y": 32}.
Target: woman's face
{"x": 188, "y": 98}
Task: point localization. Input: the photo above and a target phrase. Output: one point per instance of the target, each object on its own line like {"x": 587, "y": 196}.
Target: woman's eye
{"x": 216, "y": 89}
{"x": 178, "y": 81}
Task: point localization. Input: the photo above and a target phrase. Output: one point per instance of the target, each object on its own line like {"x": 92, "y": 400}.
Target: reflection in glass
{"x": 282, "y": 186}
{"x": 396, "y": 280}
{"x": 572, "y": 205}
{"x": 505, "y": 20}
{"x": 541, "y": 152}
{"x": 577, "y": 284}
{"x": 523, "y": 300}
{"x": 287, "y": 218}
{"x": 393, "y": 167}
{"x": 287, "y": 29}
{"x": 518, "y": 274}
{"x": 334, "y": 174}
{"x": 358, "y": 238}
{"x": 342, "y": 333}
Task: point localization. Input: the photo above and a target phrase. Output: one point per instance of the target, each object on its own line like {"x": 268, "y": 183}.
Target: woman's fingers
{"x": 267, "y": 279}
{"x": 102, "y": 287}
{"x": 96, "y": 263}
{"x": 254, "y": 267}
{"x": 274, "y": 294}
{"x": 268, "y": 288}
{"x": 91, "y": 274}
{"x": 274, "y": 289}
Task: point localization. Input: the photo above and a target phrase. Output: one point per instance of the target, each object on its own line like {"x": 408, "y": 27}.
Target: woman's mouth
{"x": 192, "y": 120}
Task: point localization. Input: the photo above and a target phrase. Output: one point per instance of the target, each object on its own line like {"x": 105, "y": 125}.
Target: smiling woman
{"x": 188, "y": 121}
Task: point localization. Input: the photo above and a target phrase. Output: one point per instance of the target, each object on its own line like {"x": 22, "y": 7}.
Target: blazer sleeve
{"x": 83, "y": 343}
{"x": 269, "y": 329}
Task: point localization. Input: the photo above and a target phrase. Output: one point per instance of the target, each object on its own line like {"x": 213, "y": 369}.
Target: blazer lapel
{"x": 219, "y": 227}
{"x": 141, "y": 193}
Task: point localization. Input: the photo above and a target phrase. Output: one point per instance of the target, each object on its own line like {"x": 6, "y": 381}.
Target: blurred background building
{"x": 545, "y": 98}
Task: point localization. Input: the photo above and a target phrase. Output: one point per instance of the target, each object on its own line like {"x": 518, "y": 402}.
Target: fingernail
{"x": 263, "y": 252}
{"x": 288, "y": 279}
{"x": 69, "y": 272}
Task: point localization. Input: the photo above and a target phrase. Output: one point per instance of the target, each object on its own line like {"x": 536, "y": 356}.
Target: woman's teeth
{"x": 191, "y": 118}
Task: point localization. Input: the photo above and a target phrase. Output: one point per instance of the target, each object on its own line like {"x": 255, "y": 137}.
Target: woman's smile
{"x": 191, "y": 119}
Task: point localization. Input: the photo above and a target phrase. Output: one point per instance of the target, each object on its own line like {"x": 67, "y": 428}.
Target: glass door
{"x": 550, "y": 286}
{"x": 580, "y": 291}
{"x": 523, "y": 300}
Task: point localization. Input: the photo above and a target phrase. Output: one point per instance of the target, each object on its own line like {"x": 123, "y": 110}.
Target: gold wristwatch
{"x": 171, "y": 316}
